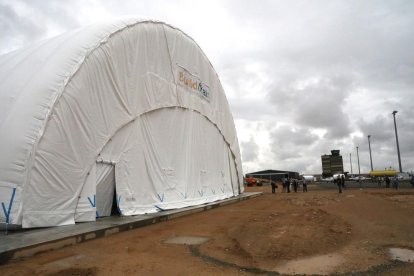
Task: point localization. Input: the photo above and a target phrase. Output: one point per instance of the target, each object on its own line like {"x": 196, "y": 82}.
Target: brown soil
{"x": 319, "y": 232}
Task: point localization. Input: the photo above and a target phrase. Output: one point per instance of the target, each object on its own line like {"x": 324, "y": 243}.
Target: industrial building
{"x": 273, "y": 175}
{"x": 332, "y": 164}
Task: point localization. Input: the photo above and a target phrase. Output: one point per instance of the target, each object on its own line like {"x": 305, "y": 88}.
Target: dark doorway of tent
{"x": 106, "y": 201}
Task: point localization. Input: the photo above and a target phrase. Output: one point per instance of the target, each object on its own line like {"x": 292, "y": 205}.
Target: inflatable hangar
{"x": 124, "y": 117}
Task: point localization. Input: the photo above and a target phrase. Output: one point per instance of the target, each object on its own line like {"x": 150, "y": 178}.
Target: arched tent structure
{"x": 126, "y": 111}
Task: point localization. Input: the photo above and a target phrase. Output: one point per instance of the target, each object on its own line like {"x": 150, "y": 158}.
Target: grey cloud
{"x": 305, "y": 159}
{"x": 287, "y": 142}
{"x": 383, "y": 142}
{"x": 381, "y": 128}
{"x": 63, "y": 16}
{"x": 17, "y": 30}
{"x": 315, "y": 60}
{"x": 20, "y": 26}
{"x": 316, "y": 104}
{"x": 250, "y": 150}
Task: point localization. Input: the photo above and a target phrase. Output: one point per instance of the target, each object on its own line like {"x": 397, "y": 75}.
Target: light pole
{"x": 350, "y": 162}
{"x": 396, "y": 138}
{"x": 359, "y": 171}
{"x": 370, "y": 156}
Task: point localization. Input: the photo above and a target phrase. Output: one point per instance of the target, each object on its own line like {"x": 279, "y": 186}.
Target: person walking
{"x": 295, "y": 185}
{"x": 379, "y": 181}
{"x": 338, "y": 182}
{"x": 287, "y": 183}
{"x": 395, "y": 182}
{"x": 273, "y": 184}
{"x": 387, "y": 181}
{"x": 304, "y": 186}
{"x": 412, "y": 180}
{"x": 343, "y": 181}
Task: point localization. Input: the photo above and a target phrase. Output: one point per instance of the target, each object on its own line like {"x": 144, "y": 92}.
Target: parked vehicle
{"x": 404, "y": 176}
{"x": 251, "y": 181}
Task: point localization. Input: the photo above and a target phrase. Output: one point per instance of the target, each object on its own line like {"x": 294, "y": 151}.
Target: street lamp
{"x": 396, "y": 138}
{"x": 359, "y": 171}
{"x": 370, "y": 156}
{"x": 350, "y": 162}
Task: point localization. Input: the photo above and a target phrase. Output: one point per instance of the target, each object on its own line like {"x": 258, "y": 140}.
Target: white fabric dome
{"x": 128, "y": 105}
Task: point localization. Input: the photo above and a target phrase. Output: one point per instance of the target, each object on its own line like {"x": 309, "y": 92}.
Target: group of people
{"x": 288, "y": 183}
{"x": 394, "y": 181}
{"x": 340, "y": 182}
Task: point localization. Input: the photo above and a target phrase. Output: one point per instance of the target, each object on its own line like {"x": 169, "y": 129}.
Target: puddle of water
{"x": 186, "y": 240}
{"x": 402, "y": 254}
{"x": 323, "y": 265}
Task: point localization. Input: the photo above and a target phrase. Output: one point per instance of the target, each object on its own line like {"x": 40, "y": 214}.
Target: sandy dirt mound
{"x": 268, "y": 239}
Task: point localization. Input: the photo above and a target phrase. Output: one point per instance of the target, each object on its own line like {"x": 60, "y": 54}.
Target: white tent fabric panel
{"x": 154, "y": 173}
{"x": 86, "y": 207}
{"x": 67, "y": 99}
{"x": 31, "y": 80}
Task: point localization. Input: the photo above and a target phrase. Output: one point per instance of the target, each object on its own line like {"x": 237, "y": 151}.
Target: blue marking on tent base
{"x": 161, "y": 197}
{"x": 7, "y": 212}
{"x": 200, "y": 193}
{"x": 222, "y": 189}
{"x": 159, "y": 208}
{"x": 93, "y": 204}
{"x": 184, "y": 195}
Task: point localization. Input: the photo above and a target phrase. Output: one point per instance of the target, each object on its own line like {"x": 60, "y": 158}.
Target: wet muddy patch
{"x": 321, "y": 265}
{"x": 401, "y": 254}
{"x": 187, "y": 240}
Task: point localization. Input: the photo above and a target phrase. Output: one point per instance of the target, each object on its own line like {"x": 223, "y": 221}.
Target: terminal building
{"x": 332, "y": 164}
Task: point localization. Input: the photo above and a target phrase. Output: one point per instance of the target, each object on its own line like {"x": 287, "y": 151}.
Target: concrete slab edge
{"x": 31, "y": 250}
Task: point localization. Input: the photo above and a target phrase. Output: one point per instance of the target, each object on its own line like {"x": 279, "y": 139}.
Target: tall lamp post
{"x": 350, "y": 162}
{"x": 359, "y": 171}
{"x": 396, "y": 138}
{"x": 370, "y": 156}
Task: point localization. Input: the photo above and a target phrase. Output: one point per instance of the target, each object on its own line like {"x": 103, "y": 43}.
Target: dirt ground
{"x": 319, "y": 232}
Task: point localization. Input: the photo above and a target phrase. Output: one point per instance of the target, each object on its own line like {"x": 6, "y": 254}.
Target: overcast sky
{"x": 302, "y": 77}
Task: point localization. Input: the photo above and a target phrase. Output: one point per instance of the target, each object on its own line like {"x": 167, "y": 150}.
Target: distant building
{"x": 332, "y": 164}
{"x": 274, "y": 175}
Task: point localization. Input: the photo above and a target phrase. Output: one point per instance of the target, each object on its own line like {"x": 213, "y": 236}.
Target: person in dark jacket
{"x": 387, "y": 181}
{"x": 338, "y": 182}
{"x": 305, "y": 186}
{"x": 273, "y": 184}
{"x": 287, "y": 183}
{"x": 295, "y": 185}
